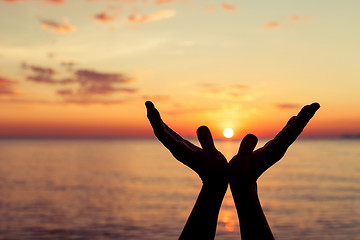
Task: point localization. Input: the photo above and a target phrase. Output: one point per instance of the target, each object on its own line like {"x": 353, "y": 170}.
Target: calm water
{"x": 134, "y": 189}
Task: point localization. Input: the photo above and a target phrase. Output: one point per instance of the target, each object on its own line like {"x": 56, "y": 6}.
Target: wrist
{"x": 244, "y": 186}
{"x": 217, "y": 186}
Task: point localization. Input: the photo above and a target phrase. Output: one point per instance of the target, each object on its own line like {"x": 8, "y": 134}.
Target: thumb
{"x": 247, "y": 145}
{"x": 205, "y": 139}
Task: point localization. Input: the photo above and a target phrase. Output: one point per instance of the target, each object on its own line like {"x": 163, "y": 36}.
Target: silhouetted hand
{"x": 248, "y": 165}
{"x": 207, "y": 161}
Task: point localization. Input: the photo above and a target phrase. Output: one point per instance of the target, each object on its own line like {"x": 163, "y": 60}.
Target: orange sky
{"x": 86, "y": 67}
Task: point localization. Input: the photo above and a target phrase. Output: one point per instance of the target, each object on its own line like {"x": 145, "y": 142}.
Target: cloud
{"x": 94, "y": 90}
{"x": 211, "y": 8}
{"x": 68, "y": 65}
{"x": 297, "y": 18}
{"x": 48, "y": 79}
{"x": 288, "y": 106}
{"x": 63, "y": 27}
{"x": 232, "y": 91}
{"x": 96, "y": 83}
{"x": 95, "y": 101}
{"x": 228, "y": 7}
{"x": 158, "y": 15}
{"x": 47, "y": 1}
{"x": 42, "y": 70}
{"x": 56, "y": 1}
{"x": 104, "y": 17}
{"x": 82, "y": 84}
{"x": 44, "y": 75}
{"x": 160, "y": 2}
{"x": 191, "y": 110}
{"x": 273, "y": 24}
{"x": 156, "y": 97}
{"x": 6, "y": 87}
{"x": 88, "y": 76}
{"x": 292, "y": 18}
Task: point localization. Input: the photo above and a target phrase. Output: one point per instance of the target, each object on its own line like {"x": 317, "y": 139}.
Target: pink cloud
{"x": 288, "y": 106}
{"x": 47, "y": 1}
{"x": 298, "y": 18}
{"x": 274, "y": 24}
{"x": 6, "y": 87}
{"x": 160, "y": 2}
{"x": 44, "y": 75}
{"x": 231, "y": 91}
{"x": 228, "y": 7}
{"x": 159, "y": 15}
{"x": 156, "y": 97}
{"x": 104, "y": 17}
{"x": 211, "y": 8}
{"x": 56, "y": 1}
{"x": 63, "y": 27}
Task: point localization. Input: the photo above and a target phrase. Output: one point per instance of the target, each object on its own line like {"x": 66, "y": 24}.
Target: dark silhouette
{"x": 241, "y": 172}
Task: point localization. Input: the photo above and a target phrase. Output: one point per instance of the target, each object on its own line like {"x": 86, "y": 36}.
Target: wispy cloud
{"x": 289, "y": 19}
{"x": 6, "y": 87}
{"x": 43, "y": 75}
{"x": 228, "y": 7}
{"x": 160, "y": 2}
{"x": 273, "y": 24}
{"x": 191, "y": 110}
{"x": 156, "y": 97}
{"x": 83, "y": 85}
{"x": 97, "y": 83}
{"x": 47, "y": 1}
{"x": 56, "y": 1}
{"x": 232, "y": 91}
{"x": 69, "y": 65}
{"x": 288, "y": 105}
{"x": 104, "y": 17}
{"x": 223, "y": 6}
{"x": 158, "y": 15}
{"x": 298, "y": 18}
{"x": 58, "y": 27}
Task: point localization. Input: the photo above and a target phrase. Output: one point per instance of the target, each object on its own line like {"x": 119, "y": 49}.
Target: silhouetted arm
{"x": 208, "y": 163}
{"x": 248, "y": 165}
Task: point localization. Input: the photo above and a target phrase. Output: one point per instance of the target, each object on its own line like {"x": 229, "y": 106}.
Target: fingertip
{"x": 251, "y": 139}
{"x": 205, "y": 138}
{"x": 247, "y": 145}
{"x": 202, "y": 130}
{"x": 149, "y": 104}
{"x": 315, "y": 105}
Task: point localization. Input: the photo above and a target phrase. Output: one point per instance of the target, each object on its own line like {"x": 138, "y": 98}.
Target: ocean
{"x": 134, "y": 189}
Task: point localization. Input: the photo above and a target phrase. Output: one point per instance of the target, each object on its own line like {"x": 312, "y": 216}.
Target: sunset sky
{"x": 86, "y": 67}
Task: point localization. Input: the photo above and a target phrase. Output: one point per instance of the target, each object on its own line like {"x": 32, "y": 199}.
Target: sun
{"x": 228, "y": 133}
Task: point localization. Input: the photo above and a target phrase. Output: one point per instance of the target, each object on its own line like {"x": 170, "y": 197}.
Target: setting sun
{"x": 228, "y": 133}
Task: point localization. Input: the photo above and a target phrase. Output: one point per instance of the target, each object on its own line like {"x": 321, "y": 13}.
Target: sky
{"x": 84, "y": 68}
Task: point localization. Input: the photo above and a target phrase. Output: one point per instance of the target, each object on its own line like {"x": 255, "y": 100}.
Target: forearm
{"x": 253, "y": 223}
{"x": 202, "y": 221}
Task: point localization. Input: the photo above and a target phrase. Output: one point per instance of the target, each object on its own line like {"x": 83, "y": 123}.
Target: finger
{"x": 294, "y": 128}
{"x": 159, "y": 127}
{"x": 299, "y": 123}
{"x": 205, "y": 139}
{"x": 287, "y": 124}
{"x": 169, "y": 138}
{"x": 154, "y": 116}
{"x": 247, "y": 145}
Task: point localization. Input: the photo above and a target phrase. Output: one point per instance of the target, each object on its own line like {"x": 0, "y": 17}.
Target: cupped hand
{"x": 248, "y": 165}
{"x": 207, "y": 161}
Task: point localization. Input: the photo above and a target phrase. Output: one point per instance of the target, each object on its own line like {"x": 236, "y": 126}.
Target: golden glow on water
{"x": 228, "y": 216}
{"x": 132, "y": 189}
